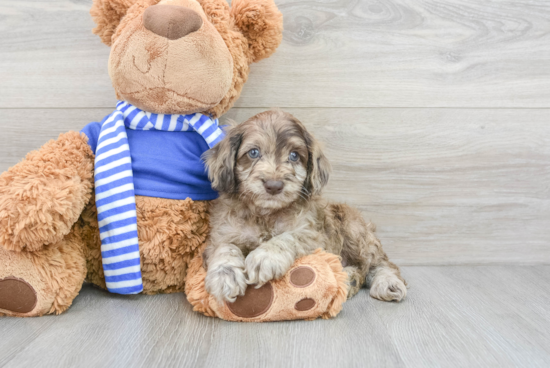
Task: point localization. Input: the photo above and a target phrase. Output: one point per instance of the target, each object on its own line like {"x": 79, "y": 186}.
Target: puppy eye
{"x": 293, "y": 156}
{"x": 254, "y": 153}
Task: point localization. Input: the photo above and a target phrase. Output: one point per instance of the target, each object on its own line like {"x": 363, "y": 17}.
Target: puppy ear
{"x": 318, "y": 166}
{"x": 220, "y": 161}
{"x": 261, "y": 23}
{"x": 107, "y": 15}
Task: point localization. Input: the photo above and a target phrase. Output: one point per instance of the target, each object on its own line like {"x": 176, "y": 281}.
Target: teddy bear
{"x": 123, "y": 204}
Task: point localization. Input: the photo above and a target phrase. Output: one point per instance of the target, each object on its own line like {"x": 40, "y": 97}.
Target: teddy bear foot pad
{"x": 315, "y": 286}
{"x": 256, "y": 301}
{"x": 17, "y": 295}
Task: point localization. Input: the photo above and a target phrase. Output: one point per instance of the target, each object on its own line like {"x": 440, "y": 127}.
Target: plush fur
{"x": 260, "y": 22}
{"x": 202, "y": 72}
{"x": 43, "y": 196}
{"x": 184, "y": 76}
{"x": 170, "y": 234}
{"x": 49, "y": 234}
{"x": 258, "y": 232}
{"x": 328, "y": 291}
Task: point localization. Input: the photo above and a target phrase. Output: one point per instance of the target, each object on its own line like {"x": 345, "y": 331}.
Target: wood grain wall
{"x": 435, "y": 114}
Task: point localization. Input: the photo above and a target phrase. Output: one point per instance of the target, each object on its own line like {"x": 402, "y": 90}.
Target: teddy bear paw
{"x": 300, "y": 294}
{"x": 315, "y": 286}
{"x": 21, "y": 287}
{"x": 17, "y": 296}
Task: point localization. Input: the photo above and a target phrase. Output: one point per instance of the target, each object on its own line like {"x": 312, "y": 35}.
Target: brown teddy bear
{"x": 73, "y": 211}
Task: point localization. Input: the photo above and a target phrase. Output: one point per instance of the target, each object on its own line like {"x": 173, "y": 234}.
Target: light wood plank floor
{"x": 455, "y": 316}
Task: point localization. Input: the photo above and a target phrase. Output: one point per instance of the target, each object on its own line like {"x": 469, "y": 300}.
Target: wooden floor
{"x": 455, "y": 316}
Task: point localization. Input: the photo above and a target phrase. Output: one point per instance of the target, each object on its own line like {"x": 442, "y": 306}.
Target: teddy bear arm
{"x": 43, "y": 196}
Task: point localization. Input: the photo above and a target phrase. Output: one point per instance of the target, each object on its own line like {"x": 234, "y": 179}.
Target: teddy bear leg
{"x": 315, "y": 286}
{"x": 41, "y": 282}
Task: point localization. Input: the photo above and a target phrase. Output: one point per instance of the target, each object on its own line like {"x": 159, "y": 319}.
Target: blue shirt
{"x": 164, "y": 164}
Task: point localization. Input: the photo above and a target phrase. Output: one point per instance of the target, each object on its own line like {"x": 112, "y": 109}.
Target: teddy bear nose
{"x": 274, "y": 186}
{"x": 171, "y": 21}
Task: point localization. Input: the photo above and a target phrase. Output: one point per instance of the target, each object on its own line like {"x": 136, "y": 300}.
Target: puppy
{"x": 269, "y": 172}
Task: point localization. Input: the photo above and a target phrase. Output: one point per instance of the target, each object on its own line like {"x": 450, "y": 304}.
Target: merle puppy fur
{"x": 270, "y": 172}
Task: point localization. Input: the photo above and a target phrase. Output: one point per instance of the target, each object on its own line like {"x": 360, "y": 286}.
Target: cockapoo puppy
{"x": 269, "y": 172}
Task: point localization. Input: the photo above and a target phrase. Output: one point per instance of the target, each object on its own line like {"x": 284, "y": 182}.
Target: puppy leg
{"x": 225, "y": 278}
{"x": 386, "y": 282}
{"x": 269, "y": 261}
{"x": 272, "y": 259}
{"x": 355, "y": 280}
{"x": 356, "y": 242}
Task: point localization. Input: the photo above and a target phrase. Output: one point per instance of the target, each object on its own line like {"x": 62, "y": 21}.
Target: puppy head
{"x": 269, "y": 161}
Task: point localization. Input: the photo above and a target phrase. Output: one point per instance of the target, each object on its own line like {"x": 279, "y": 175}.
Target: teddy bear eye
{"x": 254, "y": 153}
{"x": 293, "y": 156}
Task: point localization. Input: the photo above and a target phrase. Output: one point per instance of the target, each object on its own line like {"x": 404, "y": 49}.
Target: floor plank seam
{"x": 310, "y": 107}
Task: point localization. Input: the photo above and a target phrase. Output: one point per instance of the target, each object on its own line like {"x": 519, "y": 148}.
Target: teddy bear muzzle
{"x": 171, "y": 21}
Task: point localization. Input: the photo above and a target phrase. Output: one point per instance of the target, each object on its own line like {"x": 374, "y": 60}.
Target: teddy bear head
{"x": 185, "y": 56}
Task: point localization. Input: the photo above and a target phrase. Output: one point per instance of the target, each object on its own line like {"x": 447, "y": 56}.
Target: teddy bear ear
{"x": 261, "y": 23}
{"x": 107, "y": 15}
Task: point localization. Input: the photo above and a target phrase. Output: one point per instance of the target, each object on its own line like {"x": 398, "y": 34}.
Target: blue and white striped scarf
{"x": 114, "y": 187}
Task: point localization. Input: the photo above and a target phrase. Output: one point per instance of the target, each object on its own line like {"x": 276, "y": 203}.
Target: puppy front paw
{"x": 262, "y": 266}
{"x": 225, "y": 283}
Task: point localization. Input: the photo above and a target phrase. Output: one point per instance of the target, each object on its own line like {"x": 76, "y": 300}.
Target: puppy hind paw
{"x": 388, "y": 288}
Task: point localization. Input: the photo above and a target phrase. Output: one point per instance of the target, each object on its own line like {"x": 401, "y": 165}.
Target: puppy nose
{"x": 171, "y": 21}
{"x": 274, "y": 186}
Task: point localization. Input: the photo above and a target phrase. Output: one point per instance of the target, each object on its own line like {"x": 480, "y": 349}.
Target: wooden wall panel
{"x": 338, "y": 53}
{"x": 444, "y": 186}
